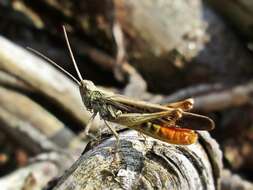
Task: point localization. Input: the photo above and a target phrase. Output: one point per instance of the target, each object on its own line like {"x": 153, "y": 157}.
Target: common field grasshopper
{"x": 170, "y": 123}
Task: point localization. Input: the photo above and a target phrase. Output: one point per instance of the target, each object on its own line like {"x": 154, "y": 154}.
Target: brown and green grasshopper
{"x": 170, "y": 123}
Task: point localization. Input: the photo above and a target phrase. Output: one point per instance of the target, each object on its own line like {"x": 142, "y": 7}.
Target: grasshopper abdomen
{"x": 170, "y": 134}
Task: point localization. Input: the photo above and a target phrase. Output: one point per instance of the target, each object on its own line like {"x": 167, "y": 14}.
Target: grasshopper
{"x": 171, "y": 123}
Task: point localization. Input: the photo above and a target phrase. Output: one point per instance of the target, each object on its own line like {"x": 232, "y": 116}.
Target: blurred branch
{"x": 214, "y": 97}
{"x": 12, "y": 82}
{"x": 231, "y": 181}
{"x": 236, "y": 96}
{"x": 42, "y": 78}
{"x": 239, "y": 13}
{"x": 24, "y": 134}
{"x": 192, "y": 91}
{"x": 38, "y": 173}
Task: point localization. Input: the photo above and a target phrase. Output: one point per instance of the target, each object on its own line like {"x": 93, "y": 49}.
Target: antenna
{"x": 55, "y": 64}
{"x": 71, "y": 53}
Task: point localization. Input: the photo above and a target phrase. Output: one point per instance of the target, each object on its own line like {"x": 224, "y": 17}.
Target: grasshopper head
{"x": 89, "y": 94}
{"x": 86, "y": 85}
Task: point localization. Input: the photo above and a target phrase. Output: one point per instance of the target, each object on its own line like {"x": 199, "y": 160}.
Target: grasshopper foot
{"x": 142, "y": 135}
{"x": 117, "y": 157}
{"x": 90, "y": 136}
{"x": 176, "y": 114}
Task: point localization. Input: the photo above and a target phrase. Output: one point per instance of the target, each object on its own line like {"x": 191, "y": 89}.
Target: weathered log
{"x": 145, "y": 164}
